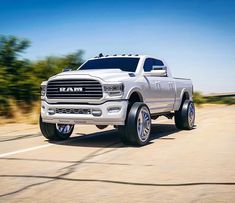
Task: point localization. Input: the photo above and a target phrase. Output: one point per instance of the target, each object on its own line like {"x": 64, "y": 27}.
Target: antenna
{"x": 101, "y": 55}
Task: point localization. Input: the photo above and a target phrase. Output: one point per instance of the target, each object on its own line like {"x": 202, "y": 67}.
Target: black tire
{"x": 184, "y": 117}
{"x": 131, "y": 133}
{"x": 122, "y": 130}
{"x": 51, "y": 132}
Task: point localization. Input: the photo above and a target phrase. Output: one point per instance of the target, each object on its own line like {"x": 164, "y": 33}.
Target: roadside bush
{"x": 198, "y": 98}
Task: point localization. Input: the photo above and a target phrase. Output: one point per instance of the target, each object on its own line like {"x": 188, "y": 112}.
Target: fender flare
{"x": 137, "y": 90}
{"x": 183, "y": 91}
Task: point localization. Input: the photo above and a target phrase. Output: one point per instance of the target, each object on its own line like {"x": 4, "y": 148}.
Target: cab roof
{"x": 124, "y": 56}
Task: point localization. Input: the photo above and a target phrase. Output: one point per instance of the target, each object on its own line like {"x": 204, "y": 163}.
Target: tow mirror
{"x": 158, "y": 71}
{"x": 154, "y": 67}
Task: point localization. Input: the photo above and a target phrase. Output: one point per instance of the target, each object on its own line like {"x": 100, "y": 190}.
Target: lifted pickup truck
{"x": 125, "y": 91}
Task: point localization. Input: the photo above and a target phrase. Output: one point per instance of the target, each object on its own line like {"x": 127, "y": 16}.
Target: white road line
{"x": 25, "y": 150}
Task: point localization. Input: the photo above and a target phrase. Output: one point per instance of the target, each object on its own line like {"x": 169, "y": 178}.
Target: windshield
{"x": 123, "y": 63}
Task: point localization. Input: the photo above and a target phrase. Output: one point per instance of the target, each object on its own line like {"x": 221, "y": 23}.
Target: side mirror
{"x": 158, "y": 67}
{"x": 158, "y": 71}
{"x": 66, "y": 69}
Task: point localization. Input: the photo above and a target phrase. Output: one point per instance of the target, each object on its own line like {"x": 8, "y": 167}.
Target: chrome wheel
{"x": 191, "y": 115}
{"x": 64, "y": 128}
{"x": 143, "y": 124}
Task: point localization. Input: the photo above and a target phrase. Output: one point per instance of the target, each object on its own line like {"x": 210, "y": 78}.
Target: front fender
{"x": 137, "y": 90}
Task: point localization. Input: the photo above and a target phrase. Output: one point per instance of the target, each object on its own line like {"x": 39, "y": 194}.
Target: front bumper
{"x": 108, "y": 113}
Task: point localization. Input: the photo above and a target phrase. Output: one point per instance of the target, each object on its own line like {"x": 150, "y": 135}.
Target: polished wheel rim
{"x": 64, "y": 128}
{"x": 143, "y": 124}
{"x": 191, "y": 115}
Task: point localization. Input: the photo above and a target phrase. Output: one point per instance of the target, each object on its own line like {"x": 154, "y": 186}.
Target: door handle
{"x": 158, "y": 85}
{"x": 171, "y": 85}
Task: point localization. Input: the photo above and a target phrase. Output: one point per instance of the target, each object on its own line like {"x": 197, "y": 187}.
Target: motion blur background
{"x": 39, "y": 38}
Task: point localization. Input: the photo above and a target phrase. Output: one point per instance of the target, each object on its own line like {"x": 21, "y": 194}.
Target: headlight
{"x": 43, "y": 90}
{"x": 114, "y": 89}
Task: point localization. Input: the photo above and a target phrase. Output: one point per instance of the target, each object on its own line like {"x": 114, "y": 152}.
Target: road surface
{"x": 94, "y": 166}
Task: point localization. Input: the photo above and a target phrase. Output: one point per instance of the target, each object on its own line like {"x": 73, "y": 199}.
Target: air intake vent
{"x": 72, "y": 111}
{"x": 74, "y": 89}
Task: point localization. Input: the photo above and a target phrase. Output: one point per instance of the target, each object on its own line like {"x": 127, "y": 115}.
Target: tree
{"x": 20, "y": 78}
{"x": 15, "y": 69}
{"x": 51, "y": 65}
{"x": 10, "y": 49}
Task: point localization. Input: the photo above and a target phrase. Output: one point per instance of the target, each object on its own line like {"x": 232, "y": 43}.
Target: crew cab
{"x": 126, "y": 91}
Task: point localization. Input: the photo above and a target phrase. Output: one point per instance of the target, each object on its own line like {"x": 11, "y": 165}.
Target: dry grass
{"x": 22, "y": 114}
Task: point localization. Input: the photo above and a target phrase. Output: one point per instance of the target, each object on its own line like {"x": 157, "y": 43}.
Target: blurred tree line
{"x": 20, "y": 78}
{"x": 199, "y": 99}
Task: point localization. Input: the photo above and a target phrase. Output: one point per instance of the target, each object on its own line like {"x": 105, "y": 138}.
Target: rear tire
{"x": 138, "y": 125}
{"x": 55, "y": 131}
{"x": 185, "y": 116}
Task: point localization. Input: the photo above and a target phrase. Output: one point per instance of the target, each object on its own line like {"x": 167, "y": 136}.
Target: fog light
{"x": 96, "y": 112}
{"x": 114, "y": 109}
{"x": 51, "y": 111}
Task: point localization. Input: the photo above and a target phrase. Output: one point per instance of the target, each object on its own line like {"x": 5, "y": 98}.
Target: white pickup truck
{"x": 125, "y": 91}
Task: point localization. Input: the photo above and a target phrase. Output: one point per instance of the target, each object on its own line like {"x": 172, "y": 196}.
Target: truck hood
{"x": 105, "y": 74}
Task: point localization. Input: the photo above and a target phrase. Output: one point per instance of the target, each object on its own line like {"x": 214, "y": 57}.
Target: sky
{"x": 196, "y": 38}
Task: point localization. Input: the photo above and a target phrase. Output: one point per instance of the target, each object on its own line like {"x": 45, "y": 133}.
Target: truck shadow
{"x": 111, "y": 138}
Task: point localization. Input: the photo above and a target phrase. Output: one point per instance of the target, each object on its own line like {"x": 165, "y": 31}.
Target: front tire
{"x": 138, "y": 125}
{"x": 55, "y": 131}
{"x": 185, "y": 116}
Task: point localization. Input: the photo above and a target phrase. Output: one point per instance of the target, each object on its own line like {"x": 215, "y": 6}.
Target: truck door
{"x": 161, "y": 89}
{"x": 154, "y": 88}
{"x": 166, "y": 93}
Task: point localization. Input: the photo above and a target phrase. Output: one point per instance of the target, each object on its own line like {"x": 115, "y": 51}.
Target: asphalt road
{"x": 94, "y": 166}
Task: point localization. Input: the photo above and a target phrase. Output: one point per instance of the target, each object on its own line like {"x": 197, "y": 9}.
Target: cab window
{"x": 158, "y": 62}
{"x": 150, "y": 62}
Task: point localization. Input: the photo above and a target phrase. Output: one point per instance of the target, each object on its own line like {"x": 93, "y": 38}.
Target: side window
{"x": 148, "y": 64}
{"x": 158, "y": 62}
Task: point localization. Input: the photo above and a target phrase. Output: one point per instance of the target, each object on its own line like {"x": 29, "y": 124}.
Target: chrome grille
{"x": 88, "y": 89}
